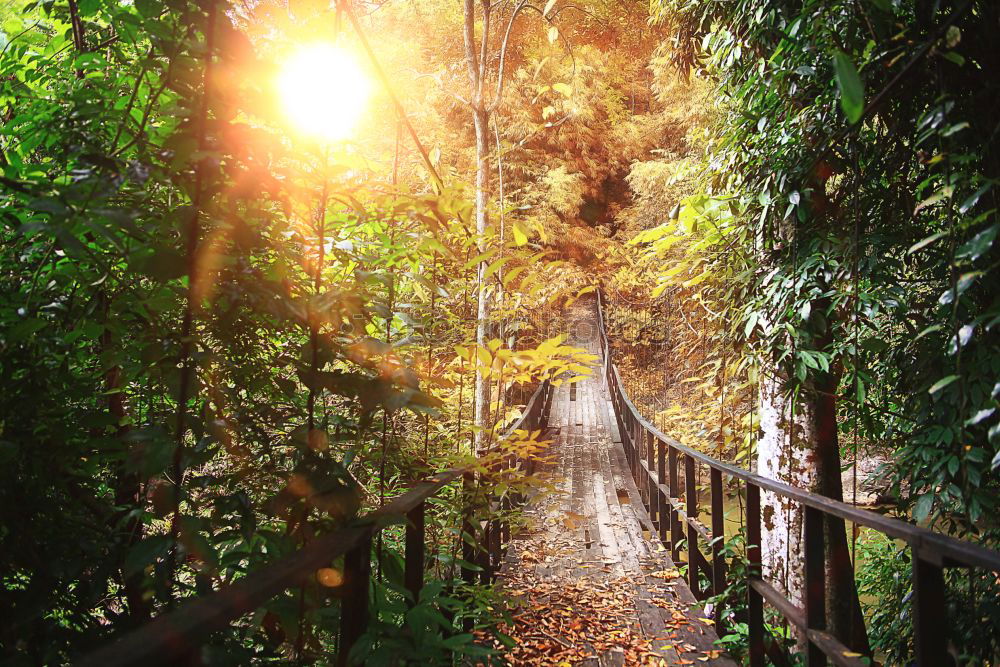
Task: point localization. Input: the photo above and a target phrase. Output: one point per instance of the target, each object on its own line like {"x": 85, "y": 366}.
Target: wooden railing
{"x": 176, "y": 636}
{"x": 656, "y": 462}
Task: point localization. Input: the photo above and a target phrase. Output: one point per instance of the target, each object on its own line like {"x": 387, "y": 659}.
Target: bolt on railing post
{"x": 718, "y": 540}
{"x": 755, "y": 603}
{"x": 691, "y": 491}
{"x": 414, "y": 552}
{"x": 815, "y": 575}
{"x": 354, "y": 608}
{"x": 675, "y": 520}
{"x": 663, "y": 505}
{"x": 929, "y": 622}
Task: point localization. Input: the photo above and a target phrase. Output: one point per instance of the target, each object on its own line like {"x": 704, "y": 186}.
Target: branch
{"x": 421, "y": 75}
{"x": 880, "y": 97}
{"x": 469, "y": 37}
{"x": 484, "y": 45}
{"x": 503, "y": 52}
{"x": 523, "y": 4}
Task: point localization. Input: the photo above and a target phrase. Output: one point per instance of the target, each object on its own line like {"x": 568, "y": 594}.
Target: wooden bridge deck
{"x": 597, "y": 585}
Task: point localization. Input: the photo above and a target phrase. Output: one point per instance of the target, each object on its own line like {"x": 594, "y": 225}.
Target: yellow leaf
{"x": 563, "y": 88}
{"x": 553, "y": 34}
{"x": 520, "y": 237}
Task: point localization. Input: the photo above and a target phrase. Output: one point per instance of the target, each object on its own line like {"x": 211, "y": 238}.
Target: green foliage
{"x": 408, "y": 633}
{"x": 856, "y": 143}
{"x": 868, "y": 247}
{"x": 885, "y": 584}
{"x": 216, "y": 341}
{"x": 734, "y": 632}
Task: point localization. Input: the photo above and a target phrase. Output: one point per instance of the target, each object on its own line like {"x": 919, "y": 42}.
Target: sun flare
{"x": 323, "y": 90}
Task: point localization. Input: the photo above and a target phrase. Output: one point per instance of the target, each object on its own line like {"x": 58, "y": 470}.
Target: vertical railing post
{"x": 640, "y": 454}
{"x": 637, "y": 453}
{"x": 627, "y": 438}
{"x": 354, "y": 608}
{"x": 691, "y": 491}
{"x": 675, "y": 492}
{"x": 630, "y": 432}
{"x": 495, "y": 548}
{"x": 663, "y": 506}
{"x": 630, "y": 437}
{"x": 651, "y": 467}
{"x": 468, "y": 536}
{"x": 929, "y": 621}
{"x": 718, "y": 540}
{"x": 815, "y": 575}
{"x": 413, "y": 575}
{"x": 484, "y": 552}
{"x": 755, "y": 603}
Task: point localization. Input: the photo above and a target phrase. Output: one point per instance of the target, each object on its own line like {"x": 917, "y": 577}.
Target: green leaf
{"x": 920, "y": 245}
{"x": 954, "y": 57}
{"x": 973, "y": 199}
{"x": 923, "y": 506}
{"x": 979, "y": 244}
{"x": 979, "y": 416}
{"x": 852, "y": 91}
{"x": 941, "y": 384}
{"x": 146, "y": 552}
{"x": 148, "y": 8}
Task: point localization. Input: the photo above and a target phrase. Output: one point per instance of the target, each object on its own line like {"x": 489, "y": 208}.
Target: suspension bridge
{"x": 631, "y": 523}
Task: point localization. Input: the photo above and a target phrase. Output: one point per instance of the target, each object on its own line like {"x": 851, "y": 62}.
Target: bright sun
{"x": 323, "y": 90}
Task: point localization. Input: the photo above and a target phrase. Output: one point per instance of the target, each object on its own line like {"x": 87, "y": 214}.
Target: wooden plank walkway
{"x": 591, "y": 557}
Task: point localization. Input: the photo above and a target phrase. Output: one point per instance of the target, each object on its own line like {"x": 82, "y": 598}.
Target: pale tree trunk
{"x": 784, "y": 453}
{"x": 482, "y": 404}
{"x": 478, "y": 56}
{"x": 476, "y": 63}
{"x": 799, "y": 446}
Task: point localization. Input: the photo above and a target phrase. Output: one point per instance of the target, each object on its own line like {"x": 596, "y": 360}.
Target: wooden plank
{"x": 612, "y": 423}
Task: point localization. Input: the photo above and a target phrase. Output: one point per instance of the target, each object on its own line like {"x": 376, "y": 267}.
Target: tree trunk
{"x": 480, "y": 119}
{"x": 799, "y": 446}
{"x": 482, "y": 394}
{"x": 784, "y": 453}
{"x": 127, "y": 487}
{"x": 843, "y": 609}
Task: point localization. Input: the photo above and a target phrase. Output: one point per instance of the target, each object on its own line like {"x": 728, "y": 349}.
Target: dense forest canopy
{"x": 263, "y": 265}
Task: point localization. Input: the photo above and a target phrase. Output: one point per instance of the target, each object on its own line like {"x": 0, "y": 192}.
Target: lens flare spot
{"x": 324, "y": 91}
{"x": 329, "y": 577}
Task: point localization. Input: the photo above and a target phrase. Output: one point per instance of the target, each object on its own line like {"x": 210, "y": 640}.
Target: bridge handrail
{"x": 653, "y": 457}
{"x": 173, "y": 636}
